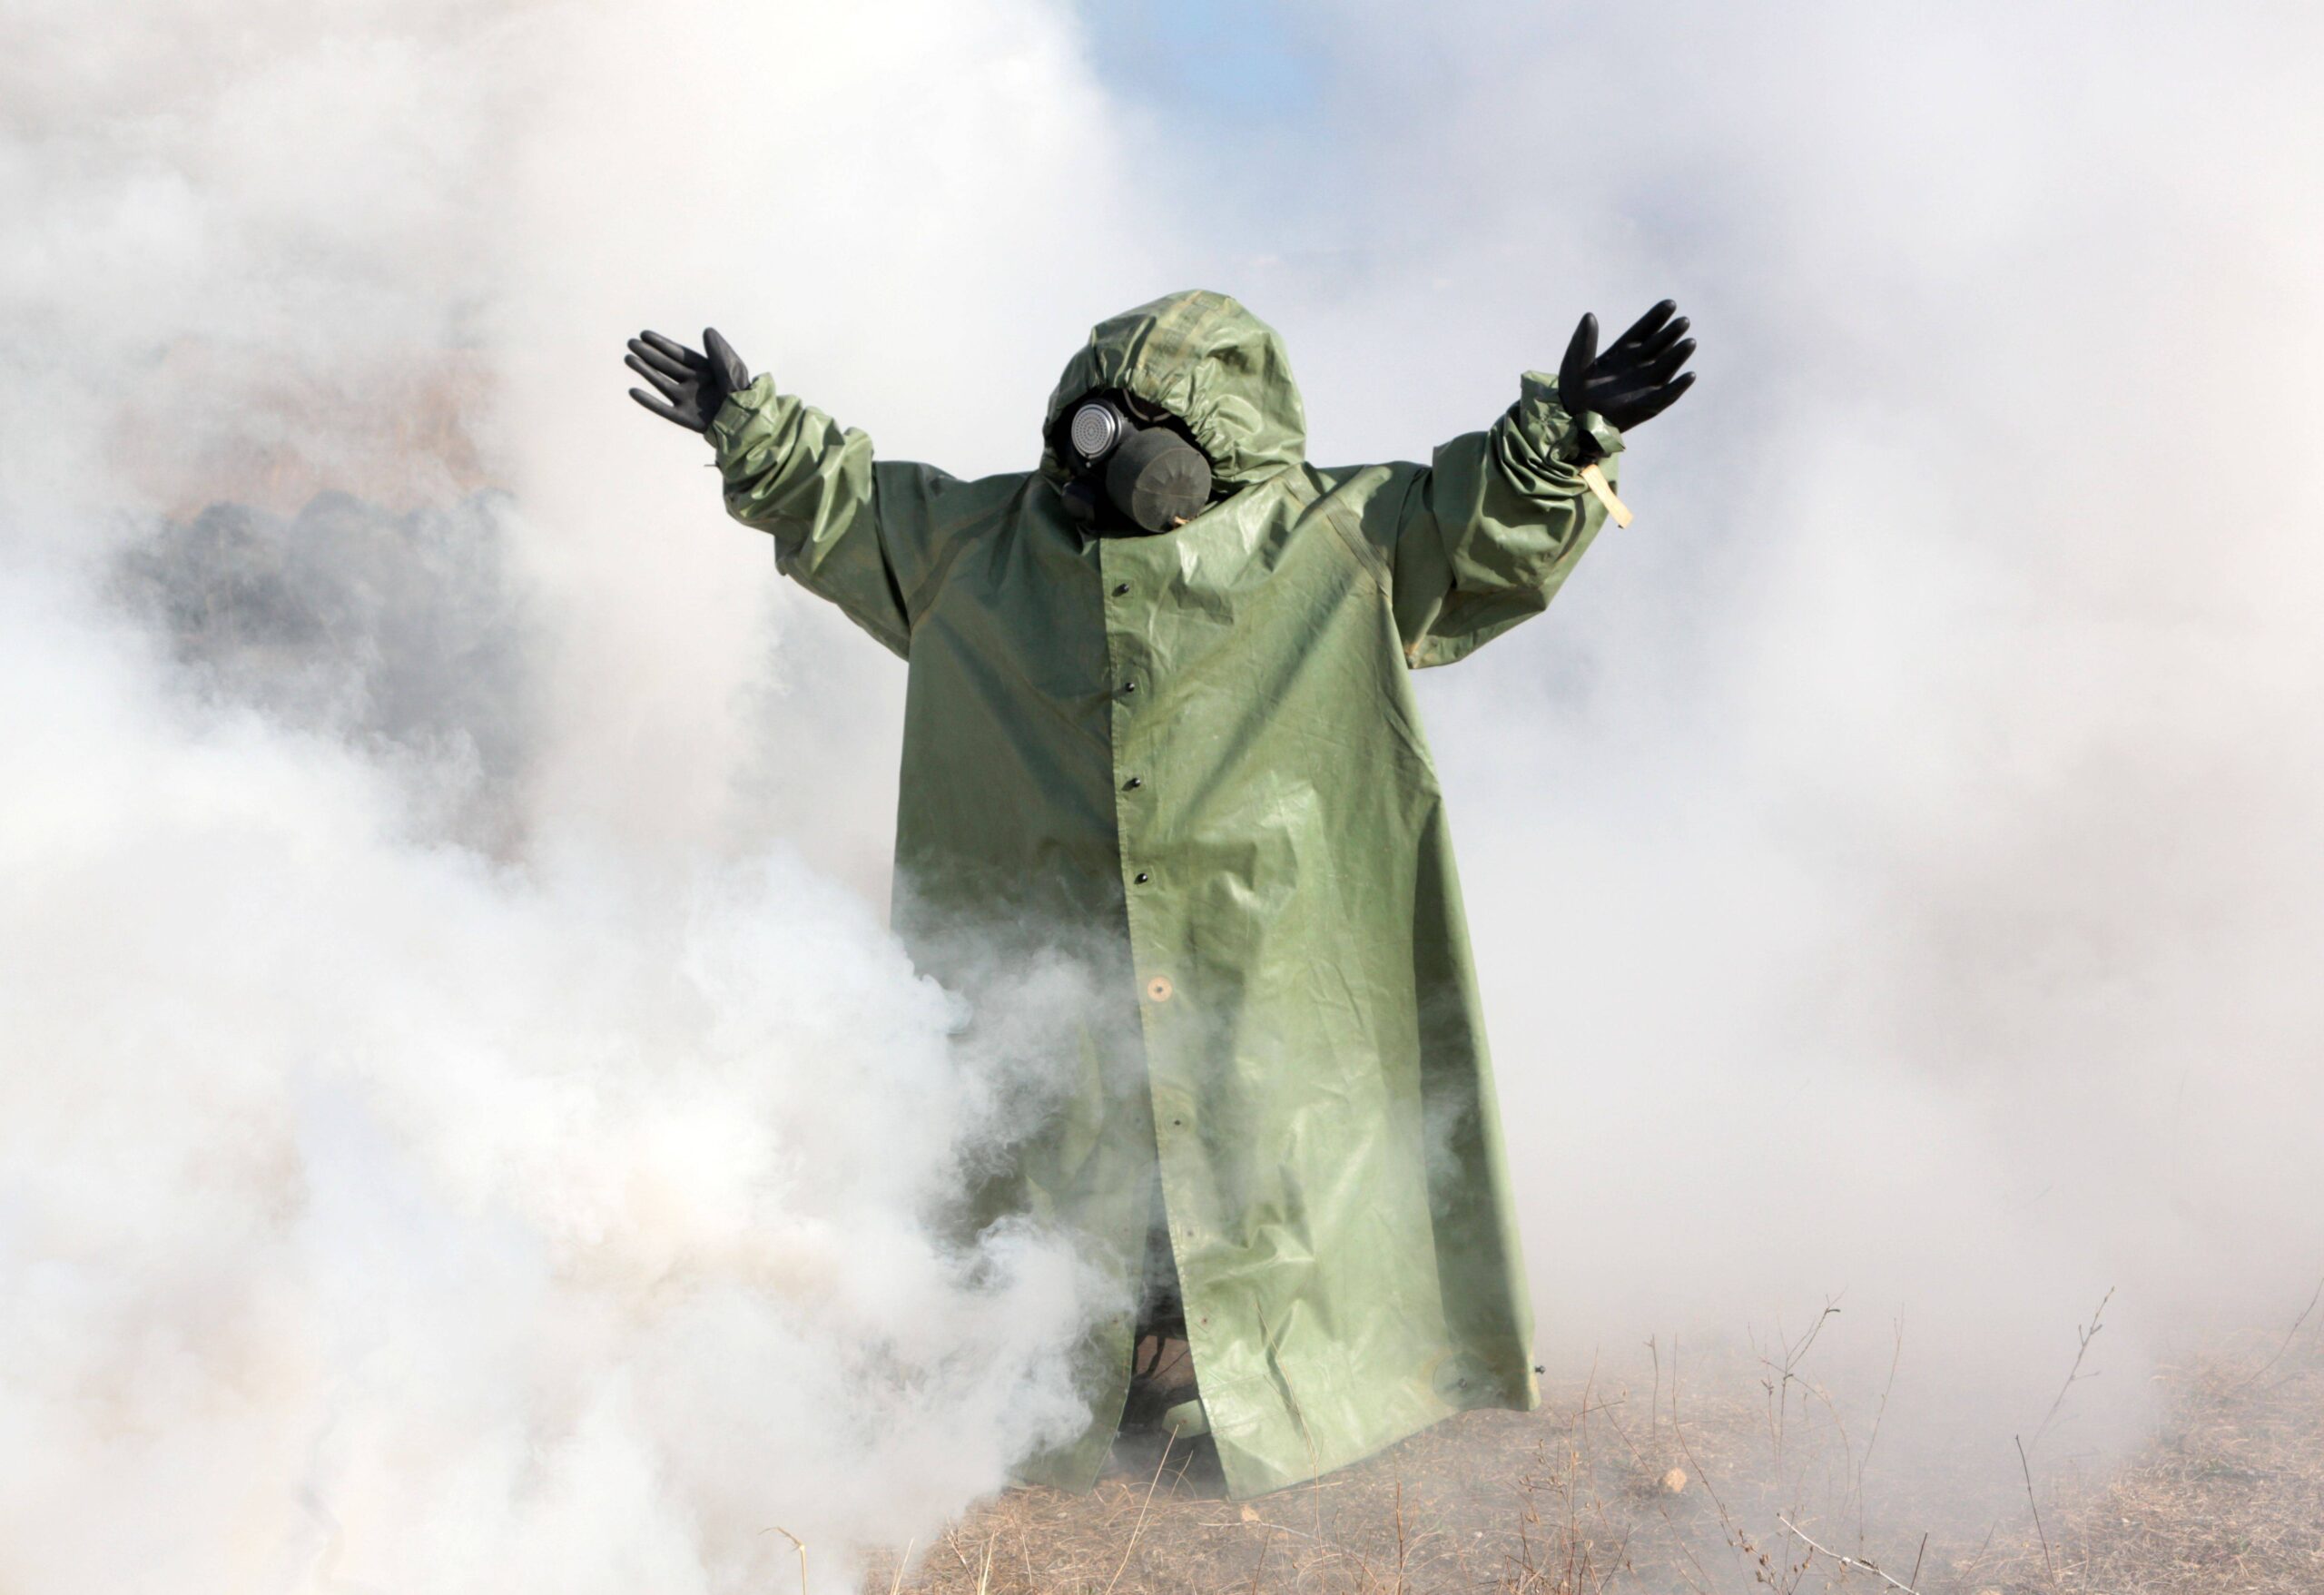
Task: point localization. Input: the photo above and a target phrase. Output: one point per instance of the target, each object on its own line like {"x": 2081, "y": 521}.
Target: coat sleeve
{"x": 846, "y": 528}
{"x": 1483, "y": 536}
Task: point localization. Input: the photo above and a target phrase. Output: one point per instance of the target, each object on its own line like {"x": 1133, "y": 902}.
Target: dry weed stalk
{"x": 1895, "y": 1356}
{"x": 2075, "y": 1374}
{"x": 2026, "y": 1468}
{"x": 1696, "y": 1579}
{"x": 1853, "y": 1563}
{"x": 1778, "y": 1388}
{"x": 2290, "y": 1335}
{"x": 1576, "y": 1567}
{"x": 2228, "y": 1493}
{"x": 1129, "y": 1546}
{"x": 801, "y": 1545}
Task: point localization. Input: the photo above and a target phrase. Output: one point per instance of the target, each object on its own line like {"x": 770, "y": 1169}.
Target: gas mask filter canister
{"x": 1150, "y": 473}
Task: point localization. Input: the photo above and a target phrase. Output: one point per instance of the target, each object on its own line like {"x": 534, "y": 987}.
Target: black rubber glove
{"x": 1634, "y": 381}
{"x": 694, "y": 385}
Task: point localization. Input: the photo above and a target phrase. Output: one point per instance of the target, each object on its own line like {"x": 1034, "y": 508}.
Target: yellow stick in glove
{"x": 1615, "y": 508}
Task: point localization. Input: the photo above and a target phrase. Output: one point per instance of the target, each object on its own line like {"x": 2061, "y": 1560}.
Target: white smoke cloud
{"x": 379, "y": 1213}
{"x": 1890, "y": 861}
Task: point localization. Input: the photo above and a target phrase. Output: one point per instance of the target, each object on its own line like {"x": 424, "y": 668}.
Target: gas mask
{"x": 1126, "y": 458}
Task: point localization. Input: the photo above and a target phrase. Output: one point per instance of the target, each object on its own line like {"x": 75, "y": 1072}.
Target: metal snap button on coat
{"x": 1159, "y": 988}
{"x": 1141, "y": 878}
{"x": 1120, "y": 588}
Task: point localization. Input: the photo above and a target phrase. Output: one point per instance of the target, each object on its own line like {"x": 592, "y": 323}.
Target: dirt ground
{"x": 1712, "y": 1487}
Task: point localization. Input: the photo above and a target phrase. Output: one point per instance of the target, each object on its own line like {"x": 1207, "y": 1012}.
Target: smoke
{"x": 398, "y": 633}
{"x": 1892, "y": 860}
{"x": 463, "y": 1122}
{"x": 375, "y": 1214}
{"x": 460, "y": 1124}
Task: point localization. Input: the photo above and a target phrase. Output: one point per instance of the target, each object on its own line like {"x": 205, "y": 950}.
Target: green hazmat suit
{"x": 1195, "y": 758}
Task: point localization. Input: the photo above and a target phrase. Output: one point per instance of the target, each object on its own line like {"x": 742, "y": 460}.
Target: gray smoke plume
{"x": 1893, "y": 858}
{"x": 462, "y": 1121}
{"x": 456, "y": 1130}
{"x": 398, "y": 633}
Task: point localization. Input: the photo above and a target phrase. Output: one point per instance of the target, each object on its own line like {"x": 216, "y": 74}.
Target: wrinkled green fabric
{"x": 1195, "y": 760}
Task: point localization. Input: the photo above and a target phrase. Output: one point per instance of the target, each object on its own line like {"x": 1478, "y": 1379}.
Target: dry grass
{"x": 2227, "y": 1498}
{"x": 1615, "y": 1488}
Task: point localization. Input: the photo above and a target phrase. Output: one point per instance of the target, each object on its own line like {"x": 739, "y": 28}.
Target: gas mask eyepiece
{"x": 1148, "y": 472}
{"x": 1096, "y": 427}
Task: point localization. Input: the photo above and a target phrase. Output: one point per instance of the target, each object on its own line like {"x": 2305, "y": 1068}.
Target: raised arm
{"x": 1483, "y": 536}
{"x": 845, "y": 528}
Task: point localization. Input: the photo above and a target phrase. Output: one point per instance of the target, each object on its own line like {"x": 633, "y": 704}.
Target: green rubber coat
{"x": 1193, "y": 761}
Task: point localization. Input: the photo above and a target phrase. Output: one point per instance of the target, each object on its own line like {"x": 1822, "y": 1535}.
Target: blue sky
{"x": 1249, "y": 60}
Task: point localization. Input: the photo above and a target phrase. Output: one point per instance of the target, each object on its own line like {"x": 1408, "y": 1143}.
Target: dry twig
{"x": 2027, "y": 1468}
{"x": 2075, "y": 1374}
{"x": 1895, "y": 1356}
{"x": 801, "y": 1545}
{"x": 1794, "y": 1354}
{"x": 1854, "y": 1562}
{"x": 1134, "y": 1528}
{"x": 2290, "y": 1335}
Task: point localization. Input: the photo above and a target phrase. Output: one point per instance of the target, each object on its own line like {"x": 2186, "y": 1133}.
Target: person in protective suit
{"x": 1159, "y": 708}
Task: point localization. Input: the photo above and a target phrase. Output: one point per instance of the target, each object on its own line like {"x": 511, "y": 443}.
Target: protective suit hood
{"x": 1208, "y": 361}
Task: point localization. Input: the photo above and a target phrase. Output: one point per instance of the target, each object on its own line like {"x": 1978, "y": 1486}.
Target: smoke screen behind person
{"x": 450, "y": 1134}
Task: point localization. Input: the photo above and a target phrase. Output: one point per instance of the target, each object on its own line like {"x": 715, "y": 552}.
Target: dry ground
{"x": 2227, "y": 1498}
{"x": 1616, "y": 1488}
